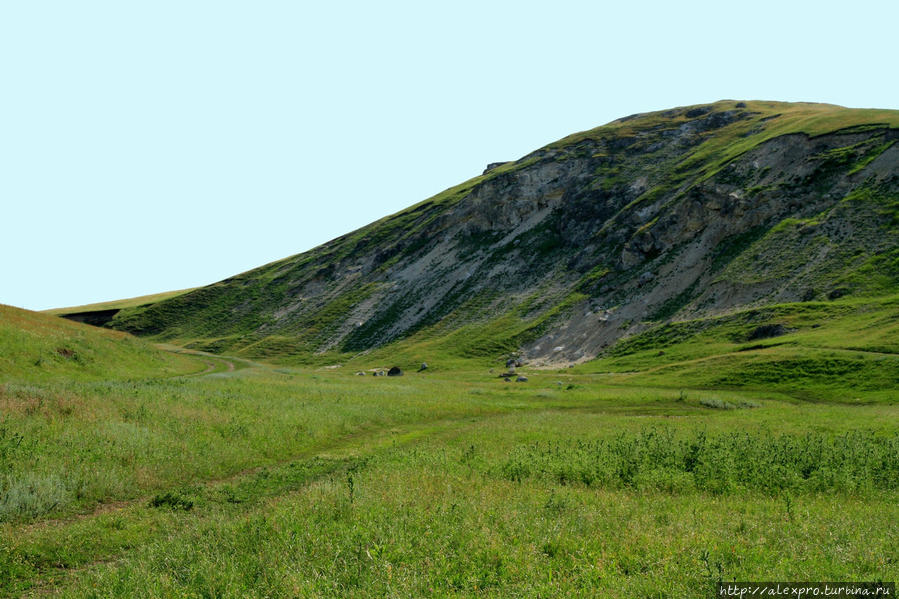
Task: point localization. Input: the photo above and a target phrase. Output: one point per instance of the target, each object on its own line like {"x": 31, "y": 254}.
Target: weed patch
{"x": 659, "y": 459}
{"x": 172, "y": 500}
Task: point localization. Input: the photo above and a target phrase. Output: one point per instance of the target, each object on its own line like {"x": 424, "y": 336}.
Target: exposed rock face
{"x": 666, "y": 215}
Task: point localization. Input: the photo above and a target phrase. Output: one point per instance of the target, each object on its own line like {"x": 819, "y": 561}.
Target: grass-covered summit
{"x": 680, "y": 214}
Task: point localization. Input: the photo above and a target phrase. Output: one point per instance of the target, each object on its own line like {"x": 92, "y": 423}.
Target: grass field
{"x": 216, "y": 477}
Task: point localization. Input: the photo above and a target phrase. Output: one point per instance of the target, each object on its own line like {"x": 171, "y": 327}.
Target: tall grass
{"x": 854, "y": 462}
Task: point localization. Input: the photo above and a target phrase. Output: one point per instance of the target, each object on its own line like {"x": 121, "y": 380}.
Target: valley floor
{"x": 248, "y": 480}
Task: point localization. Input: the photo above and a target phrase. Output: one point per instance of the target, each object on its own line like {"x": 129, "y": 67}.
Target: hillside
{"x": 40, "y": 347}
{"x": 676, "y": 215}
{"x": 100, "y": 313}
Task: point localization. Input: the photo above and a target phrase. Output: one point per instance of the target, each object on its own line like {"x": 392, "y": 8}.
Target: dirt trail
{"x": 363, "y": 442}
{"x": 214, "y": 363}
{"x": 344, "y": 443}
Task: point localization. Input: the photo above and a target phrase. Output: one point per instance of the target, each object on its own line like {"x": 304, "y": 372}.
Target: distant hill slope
{"x": 671, "y": 215}
{"x": 36, "y": 346}
{"x": 101, "y": 313}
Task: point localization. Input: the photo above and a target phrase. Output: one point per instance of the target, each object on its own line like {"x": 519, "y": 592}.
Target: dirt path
{"x": 214, "y": 362}
{"x": 357, "y": 444}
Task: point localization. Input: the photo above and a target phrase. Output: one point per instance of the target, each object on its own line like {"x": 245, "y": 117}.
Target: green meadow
{"x": 689, "y": 455}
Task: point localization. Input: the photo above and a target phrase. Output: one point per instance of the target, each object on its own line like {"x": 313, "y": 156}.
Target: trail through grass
{"x": 635, "y": 474}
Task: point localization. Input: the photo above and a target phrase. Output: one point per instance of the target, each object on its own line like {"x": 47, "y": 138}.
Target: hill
{"x": 100, "y": 313}
{"x": 41, "y": 347}
{"x": 676, "y": 215}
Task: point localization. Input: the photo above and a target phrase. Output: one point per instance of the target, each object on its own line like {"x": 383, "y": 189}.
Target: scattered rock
{"x": 360, "y": 373}
{"x": 424, "y": 366}
{"x": 808, "y": 295}
{"x": 507, "y": 374}
{"x": 521, "y": 379}
{"x": 646, "y": 277}
{"x": 766, "y": 331}
{"x": 507, "y": 379}
{"x": 558, "y": 348}
{"x": 740, "y": 105}
{"x": 395, "y": 371}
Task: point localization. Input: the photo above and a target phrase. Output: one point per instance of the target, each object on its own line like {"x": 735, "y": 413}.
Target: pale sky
{"x": 151, "y": 146}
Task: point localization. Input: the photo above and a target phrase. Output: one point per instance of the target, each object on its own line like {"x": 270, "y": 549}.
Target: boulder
{"x": 521, "y": 379}
{"x": 424, "y": 366}
{"x": 360, "y": 373}
{"x": 395, "y": 371}
{"x": 513, "y": 363}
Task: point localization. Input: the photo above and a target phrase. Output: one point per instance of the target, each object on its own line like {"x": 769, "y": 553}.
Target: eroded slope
{"x": 681, "y": 213}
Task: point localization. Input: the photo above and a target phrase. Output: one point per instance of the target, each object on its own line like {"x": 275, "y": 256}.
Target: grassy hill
{"x": 37, "y": 347}
{"x": 845, "y": 351}
{"x": 658, "y": 217}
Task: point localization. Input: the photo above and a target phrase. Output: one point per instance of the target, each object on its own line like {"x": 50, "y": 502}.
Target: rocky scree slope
{"x": 668, "y": 215}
